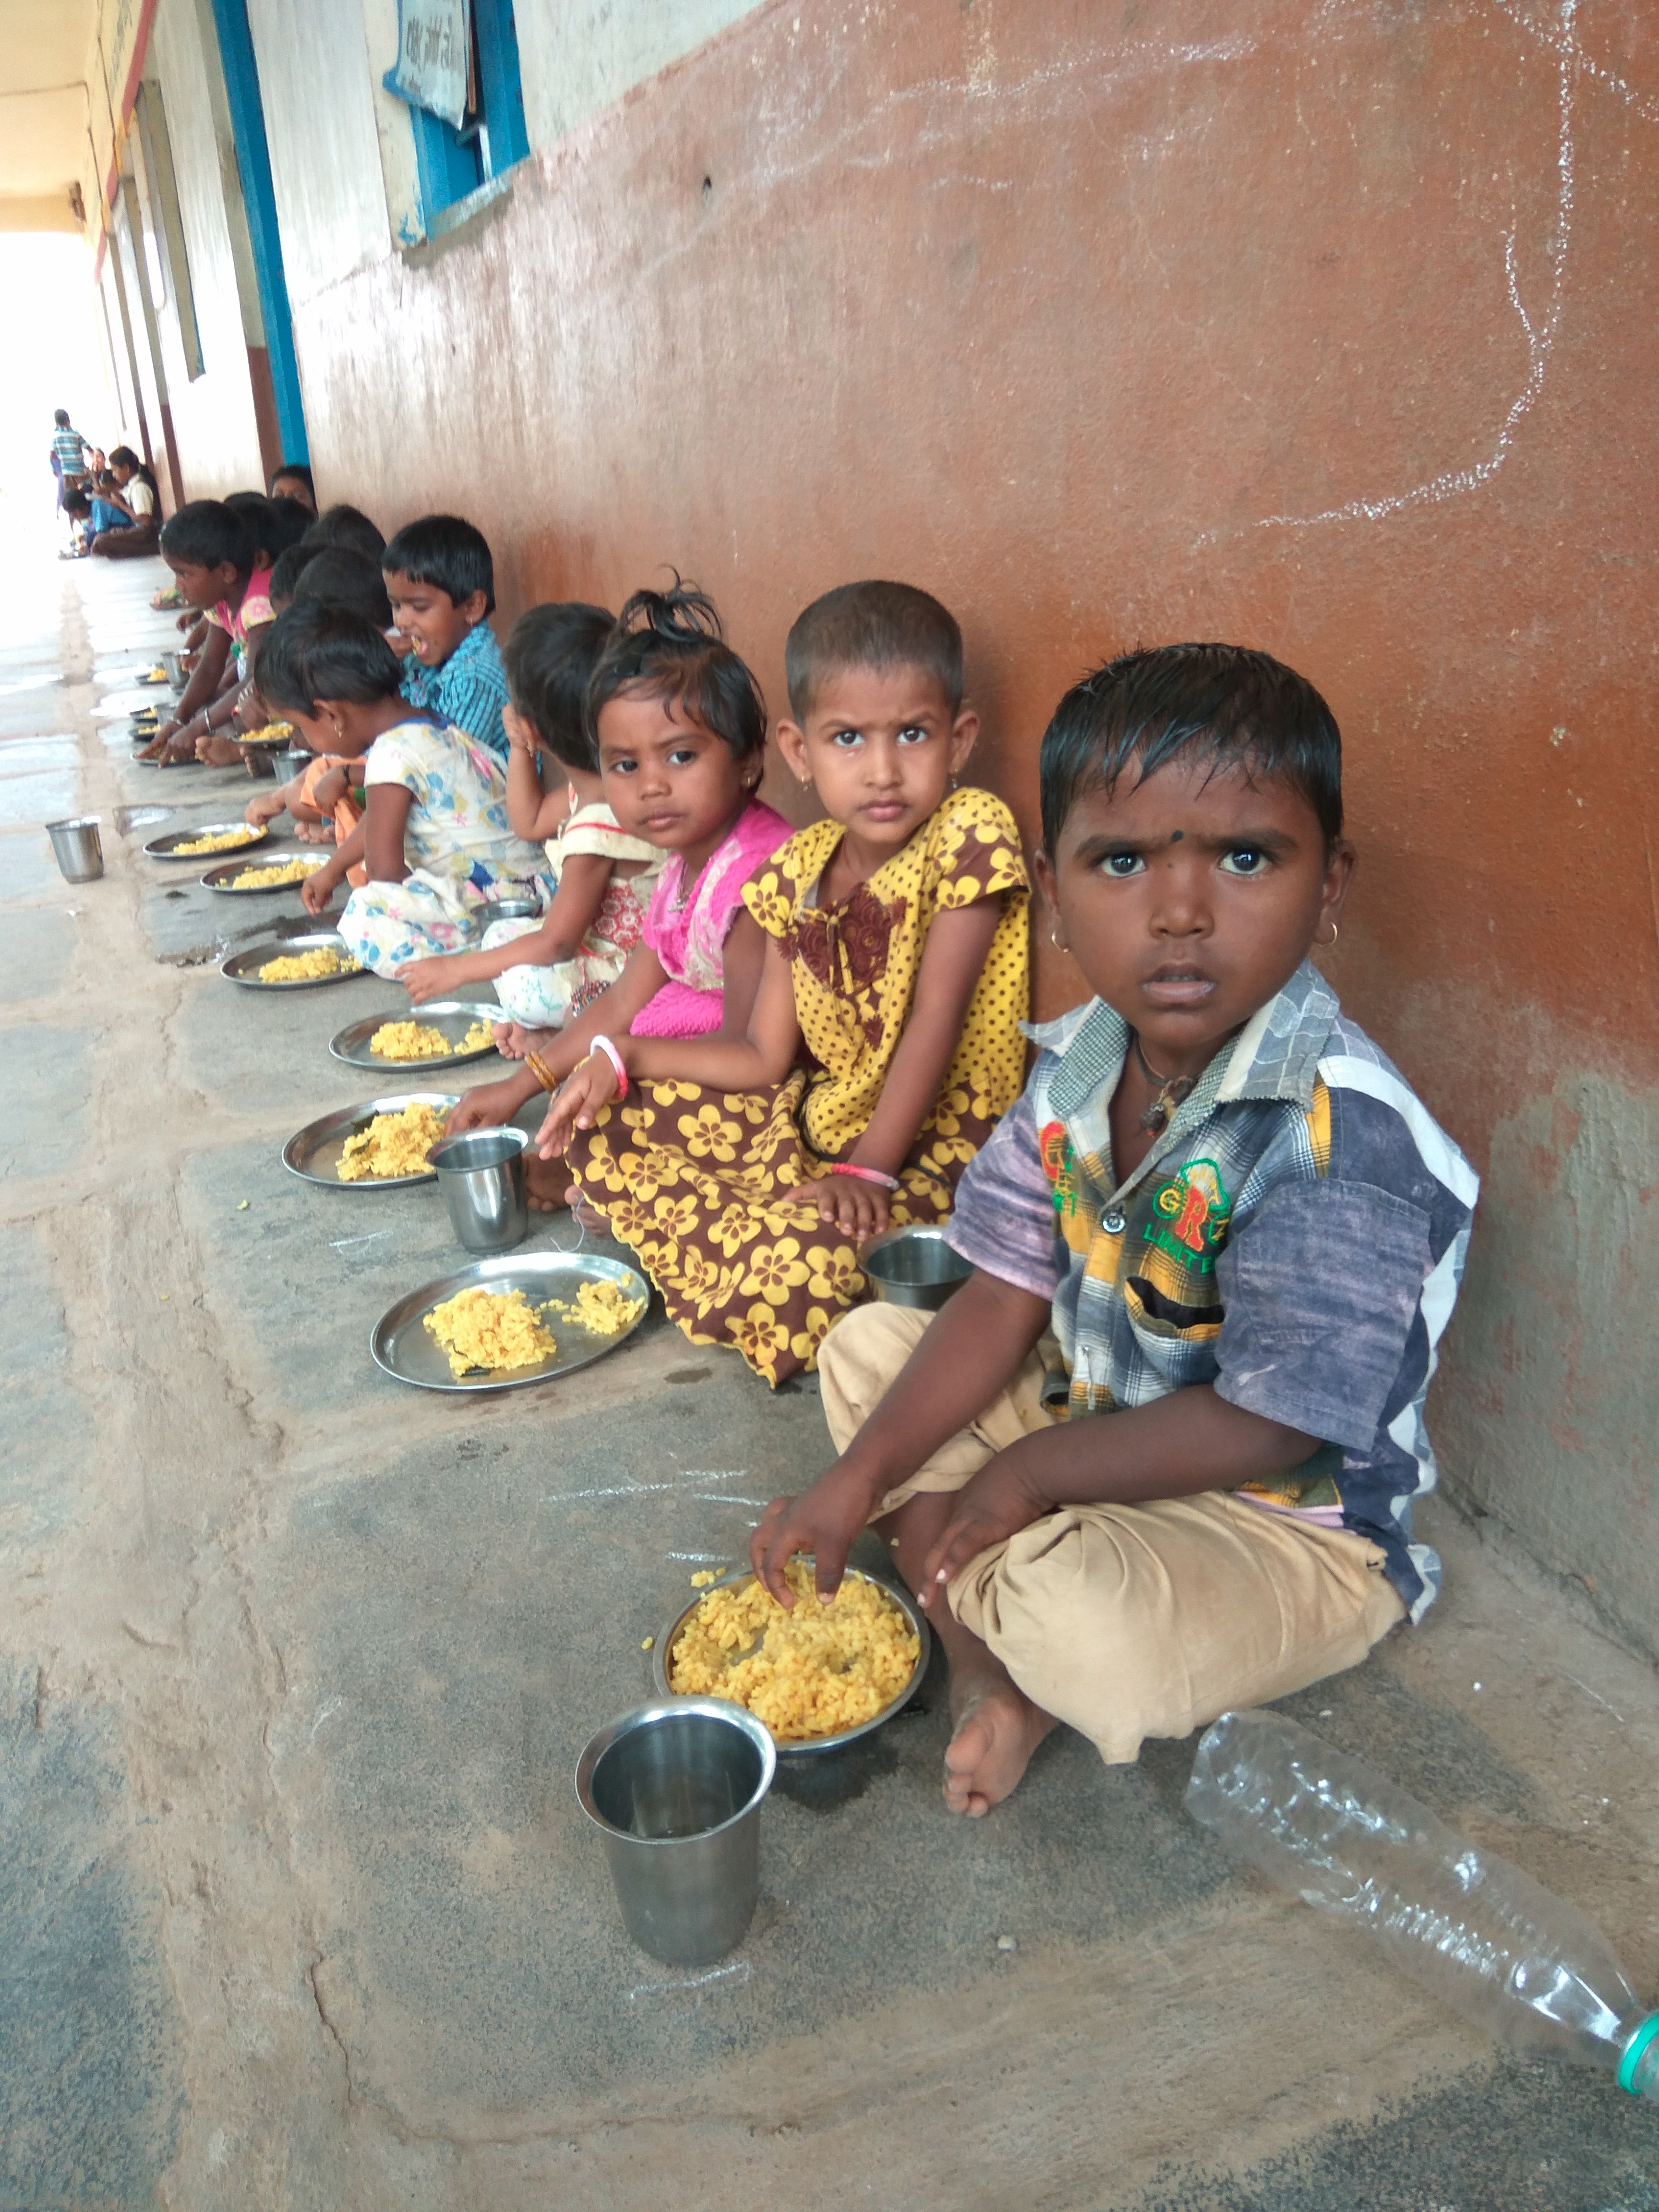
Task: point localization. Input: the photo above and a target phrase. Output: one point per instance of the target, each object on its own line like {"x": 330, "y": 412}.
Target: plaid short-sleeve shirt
{"x": 1296, "y": 1237}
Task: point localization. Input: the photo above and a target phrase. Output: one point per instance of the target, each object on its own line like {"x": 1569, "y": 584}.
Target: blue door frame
{"x": 247, "y": 123}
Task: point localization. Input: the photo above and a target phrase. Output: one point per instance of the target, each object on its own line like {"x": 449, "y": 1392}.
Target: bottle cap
{"x": 1635, "y": 2050}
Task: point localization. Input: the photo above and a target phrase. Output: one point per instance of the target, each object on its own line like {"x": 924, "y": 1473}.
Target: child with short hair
{"x": 325, "y": 803}
{"x": 434, "y": 834}
{"x": 211, "y": 552}
{"x": 1242, "y": 1229}
{"x": 748, "y": 1172}
{"x": 441, "y": 582}
{"x": 679, "y": 726}
{"x": 294, "y": 481}
{"x": 349, "y": 530}
{"x": 544, "y": 971}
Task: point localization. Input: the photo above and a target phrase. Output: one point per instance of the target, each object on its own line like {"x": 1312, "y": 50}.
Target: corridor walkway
{"x": 296, "y": 1905}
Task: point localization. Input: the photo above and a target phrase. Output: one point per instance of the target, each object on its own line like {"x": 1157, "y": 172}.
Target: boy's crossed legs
{"x": 1122, "y": 1620}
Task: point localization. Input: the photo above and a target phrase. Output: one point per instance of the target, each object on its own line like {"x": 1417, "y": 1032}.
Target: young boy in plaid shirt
{"x": 1156, "y": 1459}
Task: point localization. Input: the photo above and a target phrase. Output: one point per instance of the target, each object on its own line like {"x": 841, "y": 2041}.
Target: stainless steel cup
{"x": 675, "y": 1790}
{"x": 481, "y": 1174}
{"x": 913, "y": 1267}
{"x": 79, "y": 849}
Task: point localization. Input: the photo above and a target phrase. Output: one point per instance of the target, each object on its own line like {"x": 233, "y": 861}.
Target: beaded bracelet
{"x": 604, "y": 1044}
{"x": 864, "y": 1175}
{"x": 543, "y": 1073}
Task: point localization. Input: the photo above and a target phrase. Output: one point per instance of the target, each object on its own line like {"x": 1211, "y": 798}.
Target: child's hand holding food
{"x": 824, "y": 1521}
{"x": 266, "y": 807}
{"x": 317, "y": 890}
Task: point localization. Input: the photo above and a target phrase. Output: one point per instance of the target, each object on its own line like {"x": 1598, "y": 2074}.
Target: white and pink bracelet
{"x": 864, "y": 1175}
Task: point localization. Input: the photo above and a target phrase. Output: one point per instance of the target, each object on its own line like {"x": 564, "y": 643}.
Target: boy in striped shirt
{"x": 1156, "y": 1459}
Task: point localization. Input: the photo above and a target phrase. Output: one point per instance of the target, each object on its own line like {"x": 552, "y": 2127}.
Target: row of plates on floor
{"x": 400, "y": 1342}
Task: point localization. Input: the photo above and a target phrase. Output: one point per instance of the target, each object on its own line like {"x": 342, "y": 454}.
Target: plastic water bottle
{"x": 1472, "y": 1928}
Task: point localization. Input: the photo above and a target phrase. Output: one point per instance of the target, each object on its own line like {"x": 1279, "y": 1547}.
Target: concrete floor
{"x": 296, "y": 1906}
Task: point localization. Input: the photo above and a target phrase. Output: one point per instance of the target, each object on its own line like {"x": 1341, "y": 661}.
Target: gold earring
{"x": 1054, "y": 939}
{"x": 1335, "y": 933}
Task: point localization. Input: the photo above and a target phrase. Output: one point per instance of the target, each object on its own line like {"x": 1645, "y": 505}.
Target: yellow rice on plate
{"x": 308, "y": 967}
{"x": 420, "y": 1041}
{"x": 226, "y": 843}
{"x": 265, "y": 879}
{"x": 489, "y": 1329}
{"x": 602, "y": 1309}
{"x": 818, "y": 1668}
{"x": 392, "y": 1145}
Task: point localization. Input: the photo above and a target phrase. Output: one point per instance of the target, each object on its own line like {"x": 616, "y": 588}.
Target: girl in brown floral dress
{"x": 883, "y": 1045}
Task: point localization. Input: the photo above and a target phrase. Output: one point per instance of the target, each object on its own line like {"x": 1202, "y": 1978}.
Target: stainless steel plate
{"x": 794, "y": 1748}
{"x": 244, "y": 968}
{"x": 224, "y": 878}
{"x": 314, "y": 1154}
{"x": 167, "y": 848}
{"x": 454, "y": 1017}
{"x": 405, "y": 1348}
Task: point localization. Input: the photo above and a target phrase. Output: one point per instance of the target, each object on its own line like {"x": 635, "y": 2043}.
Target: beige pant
{"x": 1127, "y": 1621}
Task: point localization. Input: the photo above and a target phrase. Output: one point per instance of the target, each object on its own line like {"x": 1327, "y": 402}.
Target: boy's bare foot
{"x": 998, "y": 1728}
{"x": 588, "y": 1216}
{"x": 544, "y": 1183}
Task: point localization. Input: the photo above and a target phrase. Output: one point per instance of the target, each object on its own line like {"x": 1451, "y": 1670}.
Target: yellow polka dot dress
{"x": 712, "y": 1190}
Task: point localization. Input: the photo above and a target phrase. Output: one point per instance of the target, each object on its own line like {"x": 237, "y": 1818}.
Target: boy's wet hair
{"x": 313, "y": 652}
{"x": 347, "y": 526}
{"x": 872, "y": 625}
{"x": 447, "y": 552}
{"x": 670, "y": 646}
{"x": 205, "y": 533}
{"x": 1222, "y": 705}
{"x": 549, "y": 657}
{"x": 339, "y": 578}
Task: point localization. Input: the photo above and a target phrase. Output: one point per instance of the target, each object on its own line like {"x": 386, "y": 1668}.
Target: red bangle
{"x": 864, "y": 1175}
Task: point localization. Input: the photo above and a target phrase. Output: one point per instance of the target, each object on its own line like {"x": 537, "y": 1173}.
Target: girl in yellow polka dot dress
{"x": 884, "y": 1044}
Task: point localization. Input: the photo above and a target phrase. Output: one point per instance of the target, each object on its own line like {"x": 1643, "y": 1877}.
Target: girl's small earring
{"x": 1335, "y": 933}
{"x": 1054, "y": 939}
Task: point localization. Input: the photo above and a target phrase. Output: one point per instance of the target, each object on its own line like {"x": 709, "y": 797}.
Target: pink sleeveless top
{"x": 687, "y": 929}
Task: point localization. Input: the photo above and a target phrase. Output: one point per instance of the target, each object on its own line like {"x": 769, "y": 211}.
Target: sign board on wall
{"x": 435, "y": 48}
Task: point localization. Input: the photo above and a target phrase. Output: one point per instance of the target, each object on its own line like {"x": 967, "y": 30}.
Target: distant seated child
{"x": 441, "y": 583}
{"x": 747, "y": 1171}
{"x": 680, "y": 728}
{"x": 544, "y": 971}
{"x": 294, "y": 481}
{"x": 434, "y": 833}
{"x": 1242, "y": 1227}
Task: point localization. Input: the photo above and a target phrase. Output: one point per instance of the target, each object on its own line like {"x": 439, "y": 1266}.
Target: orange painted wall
{"x": 1327, "y": 327}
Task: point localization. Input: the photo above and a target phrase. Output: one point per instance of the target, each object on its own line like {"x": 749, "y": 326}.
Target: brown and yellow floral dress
{"x": 714, "y": 1190}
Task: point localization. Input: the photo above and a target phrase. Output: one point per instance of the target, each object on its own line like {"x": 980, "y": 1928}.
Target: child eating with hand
{"x": 1242, "y": 1229}
{"x": 544, "y": 971}
{"x": 440, "y": 580}
{"x": 896, "y": 955}
{"x": 434, "y": 835}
